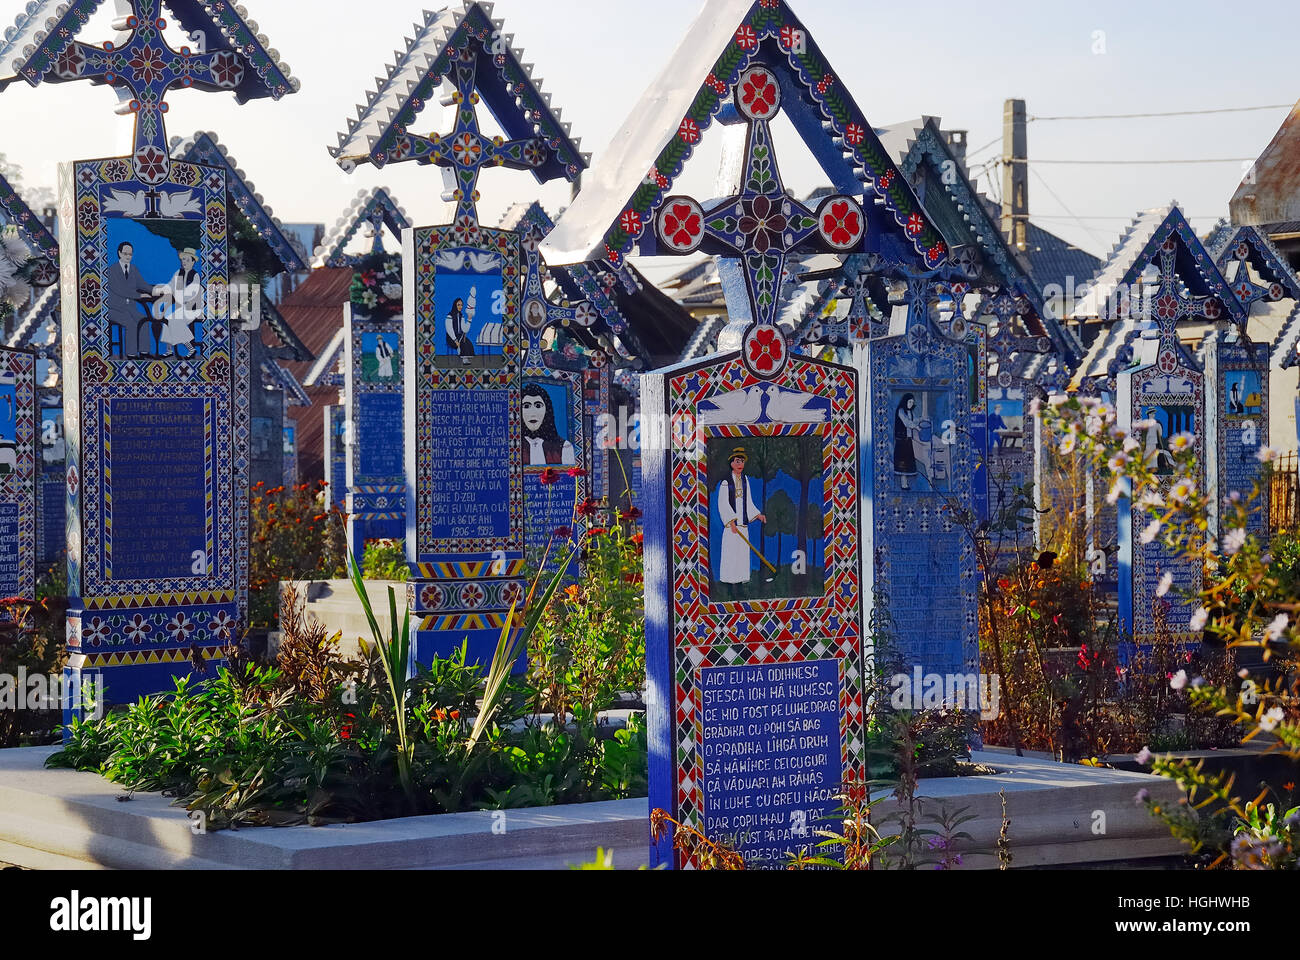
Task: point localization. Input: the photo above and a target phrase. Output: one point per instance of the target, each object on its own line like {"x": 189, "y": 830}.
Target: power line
{"x": 1057, "y": 198}
{"x": 1141, "y": 162}
{"x": 1172, "y": 113}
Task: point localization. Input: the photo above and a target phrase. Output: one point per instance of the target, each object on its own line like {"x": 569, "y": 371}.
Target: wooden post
{"x": 1015, "y": 174}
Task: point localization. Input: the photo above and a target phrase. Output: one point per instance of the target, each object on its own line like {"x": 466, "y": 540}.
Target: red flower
{"x": 638, "y": 538}
{"x": 630, "y": 222}
{"x": 1004, "y": 584}
{"x": 577, "y": 472}
{"x": 842, "y": 224}
{"x": 587, "y": 508}
{"x": 689, "y": 131}
{"x": 682, "y": 224}
{"x": 563, "y": 533}
{"x": 759, "y": 94}
{"x": 717, "y": 85}
{"x": 915, "y": 224}
{"x": 766, "y": 350}
{"x": 746, "y": 38}
{"x": 854, "y": 134}
{"x": 597, "y": 532}
{"x": 548, "y": 476}
{"x": 762, "y": 223}
{"x": 633, "y": 514}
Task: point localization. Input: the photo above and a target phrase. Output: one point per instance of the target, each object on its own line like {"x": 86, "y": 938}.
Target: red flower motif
{"x": 90, "y": 294}
{"x": 682, "y": 225}
{"x": 717, "y": 85}
{"x": 138, "y": 629}
{"x": 759, "y": 94}
{"x": 937, "y": 251}
{"x": 689, "y": 131}
{"x": 766, "y": 350}
{"x": 612, "y": 255}
{"x": 148, "y": 64}
{"x": 854, "y": 134}
{"x": 1167, "y": 307}
{"x": 92, "y": 371}
{"x": 915, "y": 224}
{"x": 825, "y": 83}
{"x": 841, "y": 224}
{"x": 746, "y": 38}
{"x": 789, "y": 35}
{"x": 762, "y": 224}
{"x": 466, "y": 149}
{"x": 630, "y": 222}
{"x": 886, "y": 179}
{"x": 657, "y": 178}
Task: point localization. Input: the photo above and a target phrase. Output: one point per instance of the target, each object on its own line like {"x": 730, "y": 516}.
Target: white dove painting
{"x": 179, "y": 204}
{"x": 740, "y": 406}
{"x": 128, "y": 203}
{"x": 789, "y": 407}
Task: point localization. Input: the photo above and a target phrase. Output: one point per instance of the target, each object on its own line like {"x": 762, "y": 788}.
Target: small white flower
{"x": 1058, "y": 400}
{"x": 1130, "y": 445}
{"x": 1166, "y": 583}
{"x": 1278, "y": 627}
{"x": 1067, "y": 444}
{"x": 1269, "y": 721}
{"x": 1234, "y": 541}
{"x": 1151, "y": 498}
{"x": 1180, "y": 491}
{"x": 1144, "y": 756}
{"x": 1118, "y": 462}
{"x": 1179, "y": 680}
{"x": 1151, "y": 532}
{"x": 1181, "y": 442}
{"x": 1243, "y": 673}
{"x": 1094, "y": 426}
{"x": 1089, "y": 402}
{"x": 1266, "y": 455}
{"x": 1234, "y": 497}
{"x": 1199, "y": 619}
{"x": 1105, "y": 411}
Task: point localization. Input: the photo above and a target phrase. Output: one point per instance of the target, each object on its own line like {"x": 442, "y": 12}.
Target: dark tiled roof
{"x": 1052, "y": 260}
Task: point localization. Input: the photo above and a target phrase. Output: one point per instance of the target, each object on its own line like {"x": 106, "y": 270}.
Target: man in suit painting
{"x": 127, "y": 289}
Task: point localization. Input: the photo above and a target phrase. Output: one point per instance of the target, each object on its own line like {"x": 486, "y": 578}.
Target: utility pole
{"x": 1015, "y": 174}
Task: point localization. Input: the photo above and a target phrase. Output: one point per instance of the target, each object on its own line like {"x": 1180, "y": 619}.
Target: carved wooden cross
{"x": 466, "y": 150}
{"x": 762, "y": 226}
{"x": 142, "y": 68}
{"x": 1172, "y": 304}
{"x": 1011, "y": 338}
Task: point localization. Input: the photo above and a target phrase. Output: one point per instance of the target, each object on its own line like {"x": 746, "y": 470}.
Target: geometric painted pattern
{"x": 18, "y": 459}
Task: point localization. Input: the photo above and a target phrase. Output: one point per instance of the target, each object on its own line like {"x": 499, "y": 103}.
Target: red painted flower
{"x": 759, "y": 94}
{"x": 1167, "y": 307}
{"x": 886, "y": 179}
{"x": 138, "y": 629}
{"x": 148, "y": 64}
{"x": 937, "y": 252}
{"x": 766, "y": 350}
{"x": 180, "y": 627}
{"x": 841, "y": 224}
{"x": 915, "y": 224}
{"x": 762, "y": 224}
{"x": 682, "y": 224}
{"x": 854, "y": 134}
{"x": 657, "y": 178}
{"x": 467, "y": 149}
{"x": 716, "y": 85}
{"x": 612, "y": 255}
{"x": 630, "y": 222}
{"x": 790, "y": 36}
{"x": 825, "y": 83}
{"x": 689, "y": 131}
{"x": 746, "y": 38}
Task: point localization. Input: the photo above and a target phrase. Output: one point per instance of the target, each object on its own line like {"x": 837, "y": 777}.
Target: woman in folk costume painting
{"x": 906, "y": 430}
{"x": 384, "y": 356}
{"x": 738, "y": 509}
{"x": 543, "y": 445}
{"x": 180, "y": 302}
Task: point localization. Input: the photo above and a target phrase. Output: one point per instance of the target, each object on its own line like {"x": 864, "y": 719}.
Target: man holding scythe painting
{"x": 737, "y": 508}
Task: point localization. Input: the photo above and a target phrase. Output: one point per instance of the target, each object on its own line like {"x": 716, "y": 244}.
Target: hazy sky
{"x": 959, "y": 61}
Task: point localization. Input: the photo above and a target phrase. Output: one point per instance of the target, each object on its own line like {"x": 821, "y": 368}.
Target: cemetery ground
{"x": 308, "y": 736}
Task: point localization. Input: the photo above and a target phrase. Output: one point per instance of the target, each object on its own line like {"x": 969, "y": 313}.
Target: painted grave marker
{"x": 752, "y": 501}
{"x": 464, "y": 339}
{"x": 156, "y": 377}
{"x": 18, "y": 468}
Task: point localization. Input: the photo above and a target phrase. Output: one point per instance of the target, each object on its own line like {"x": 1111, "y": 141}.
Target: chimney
{"x": 1015, "y": 174}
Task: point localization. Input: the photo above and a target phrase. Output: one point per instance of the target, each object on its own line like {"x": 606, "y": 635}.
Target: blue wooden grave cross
{"x": 467, "y": 150}
{"x": 1011, "y": 340}
{"x": 1172, "y": 303}
{"x": 762, "y": 226}
{"x": 142, "y": 68}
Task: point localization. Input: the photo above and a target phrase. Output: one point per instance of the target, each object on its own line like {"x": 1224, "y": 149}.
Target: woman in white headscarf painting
{"x": 180, "y": 303}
